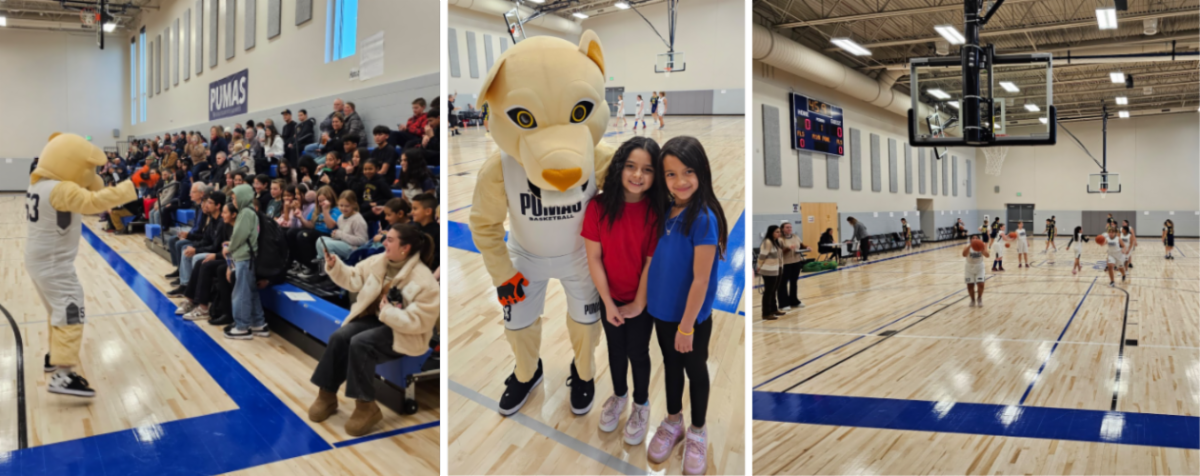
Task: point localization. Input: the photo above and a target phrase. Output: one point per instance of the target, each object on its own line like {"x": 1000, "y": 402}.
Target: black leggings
{"x": 204, "y": 275}
{"x": 769, "y": 296}
{"x": 302, "y": 242}
{"x": 629, "y": 347}
{"x": 694, "y": 363}
{"x": 787, "y": 286}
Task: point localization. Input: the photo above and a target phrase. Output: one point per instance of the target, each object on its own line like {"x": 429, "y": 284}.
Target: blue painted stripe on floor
{"x": 1055, "y": 347}
{"x": 843, "y": 268}
{"x": 458, "y": 235}
{"x": 386, "y": 434}
{"x": 460, "y": 209}
{"x": 1144, "y": 429}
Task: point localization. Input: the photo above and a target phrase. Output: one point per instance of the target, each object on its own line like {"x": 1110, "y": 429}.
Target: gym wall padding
{"x": 772, "y": 168}
{"x": 889, "y": 221}
{"x": 14, "y": 174}
{"x": 876, "y": 173}
{"x": 487, "y": 50}
{"x": 701, "y": 102}
{"x": 832, "y": 172}
{"x": 230, "y": 30}
{"x": 761, "y": 222}
{"x": 908, "y": 169}
{"x": 452, "y": 45}
{"x": 893, "y": 185}
{"x": 251, "y": 22}
{"x": 805, "y": 167}
{"x": 472, "y": 56}
{"x": 855, "y": 159}
{"x": 274, "y": 18}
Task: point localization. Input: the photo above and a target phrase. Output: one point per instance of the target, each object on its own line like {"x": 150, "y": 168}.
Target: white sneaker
{"x": 785, "y": 308}
{"x": 635, "y": 426}
{"x": 800, "y": 306}
{"x": 196, "y": 314}
{"x": 610, "y": 416}
{"x": 185, "y": 308}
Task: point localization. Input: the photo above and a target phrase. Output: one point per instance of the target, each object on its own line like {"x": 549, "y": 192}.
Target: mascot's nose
{"x": 562, "y": 179}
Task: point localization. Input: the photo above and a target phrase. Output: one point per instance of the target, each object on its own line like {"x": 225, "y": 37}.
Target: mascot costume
{"x": 63, "y": 186}
{"x": 546, "y": 97}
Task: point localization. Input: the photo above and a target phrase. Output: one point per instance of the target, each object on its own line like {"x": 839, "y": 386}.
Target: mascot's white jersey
{"x": 546, "y": 231}
{"x": 52, "y": 236}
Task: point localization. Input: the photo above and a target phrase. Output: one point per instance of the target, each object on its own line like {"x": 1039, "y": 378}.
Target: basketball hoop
{"x": 995, "y": 159}
{"x": 88, "y": 16}
{"x": 1103, "y": 192}
{"x": 668, "y": 71}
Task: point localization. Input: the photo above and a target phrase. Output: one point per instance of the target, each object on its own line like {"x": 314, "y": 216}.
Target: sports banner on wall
{"x": 228, "y": 96}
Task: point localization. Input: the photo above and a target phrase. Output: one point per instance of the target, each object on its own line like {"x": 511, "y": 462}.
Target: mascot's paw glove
{"x": 513, "y": 290}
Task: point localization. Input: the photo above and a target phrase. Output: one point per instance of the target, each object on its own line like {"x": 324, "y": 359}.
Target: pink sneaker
{"x": 635, "y": 426}
{"x": 610, "y": 416}
{"x": 695, "y": 452}
{"x": 668, "y": 435}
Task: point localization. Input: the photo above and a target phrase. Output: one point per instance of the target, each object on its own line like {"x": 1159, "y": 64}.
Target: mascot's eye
{"x": 522, "y": 117}
{"x": 581, "y": 111}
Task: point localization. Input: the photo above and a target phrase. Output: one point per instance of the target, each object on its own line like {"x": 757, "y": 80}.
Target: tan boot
{"x": 325, "y": 406}
{"x": 366, "y": 415}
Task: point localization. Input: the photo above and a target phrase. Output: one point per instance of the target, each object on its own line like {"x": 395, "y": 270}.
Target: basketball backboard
{"x": 1104, "y": 183}
{"x": 670, "y": 63}
{"x": 1019, "y": 109}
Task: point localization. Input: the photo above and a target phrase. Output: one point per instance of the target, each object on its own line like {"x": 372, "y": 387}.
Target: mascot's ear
{"x": 52, "y": 136}
{"x": 589, "y": 45}
{"x": 487, "y": 83}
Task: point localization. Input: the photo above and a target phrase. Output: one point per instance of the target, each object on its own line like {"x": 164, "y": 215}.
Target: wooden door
{"x": 823, "y": 215}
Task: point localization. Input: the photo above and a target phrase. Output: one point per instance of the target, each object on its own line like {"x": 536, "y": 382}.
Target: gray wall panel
{"x": 303, "y": 11}
{"x": 158, "y": 67}
{"x": 214, "y": 12}
{"x": 970, "y": 177}
{"x": 166, "y": 59}
{"x": 274, "y": 18}
{"x": 945, "y": 178}
{"x": 503, "y": 45}
{"x": 921, "y": 170}
{"x": 806, "y": 169}
{"x": 933, "y": 173}
{"x": 855, "y": 159}
{"x": 187, "y": 44}
{"x": 230, "y": 29}
{"x": 487, "y": 51}
{"x": 772, "y": 162}
{"x": 893, "y": 181}
{"x": 251, "y": 22}
{"x": 876, "y": 172}
{"x": 954, "y": 174}
{"x": 1187, "y": 224}
{"x": 175, "y": 42}
{"x": 729, "y": 101}
{"x": 832, "y": 176}
{"x": 150, "y": 68}
{"x": 199, "y": 36}
{"x": 907, "y": 168}
{"x": 452, "y": 45}
{"x": 472, "y": 55}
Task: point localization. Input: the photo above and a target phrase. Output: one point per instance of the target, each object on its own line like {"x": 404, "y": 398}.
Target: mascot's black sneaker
{"x": 49, "y": 368}
{"x": 518, "y": 392}
{"x": 583, "y": 392}
{"x": 66, "y": 382}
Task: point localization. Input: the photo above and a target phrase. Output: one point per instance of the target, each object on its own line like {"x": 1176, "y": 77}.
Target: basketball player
{"x": 1129, "y": 240}
{"x": 1022, "y": 246}
{"x": 640, "y": 116}
{"x": 1169, "y": 237}
{"x": 983, "y": 231}
{"x": 621, "y": 113}
{"x": 654, "y": 105}
{"x": 1116, "y": 255}
{"x": 906, "y": 234}
{"x": 1111, "y": 223}
{"x": 998, "y": 245}
{"x": 1051, "y": 234}
{"x": 975, "y": 274}
{"x": 662, "y": 111}
{"x": 996, "y": 227}
{"x": 1078, "y": 240}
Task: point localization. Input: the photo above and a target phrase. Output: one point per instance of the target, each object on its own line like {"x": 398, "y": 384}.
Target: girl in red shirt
{"x": 620, "y": 229}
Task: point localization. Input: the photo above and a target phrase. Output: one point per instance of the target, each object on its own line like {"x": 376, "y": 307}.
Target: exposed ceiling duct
{"x": 553, "y": 23}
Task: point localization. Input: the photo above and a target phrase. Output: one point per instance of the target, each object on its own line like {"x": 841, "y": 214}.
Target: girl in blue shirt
{"x": 683, "y": 284}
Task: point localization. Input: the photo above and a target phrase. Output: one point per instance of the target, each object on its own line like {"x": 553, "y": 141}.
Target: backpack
{"x": 271, "y": 261}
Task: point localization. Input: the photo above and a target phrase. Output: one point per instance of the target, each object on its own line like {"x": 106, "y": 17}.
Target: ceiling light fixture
{"x": 951, "y": 34}
{"x": 579, "y": 15}
{"x": 1043, "y": 120}
{"x": 954, "y": 103}
{"x": 938, "y": 93}
{"x": 1123, "y": 114}
{"x": 1009, "y": 86}
{"x": 1032, "y": 108}
{"x": 621, "y": 5}
{"x": 3, "y": 21}
{"x": 1117, "y": 77}
{"x": 850, "y": 46}
{"x": 1122, "y": 100}
{"x": 109, "y": 27}
{"x": 1107, "y": 18}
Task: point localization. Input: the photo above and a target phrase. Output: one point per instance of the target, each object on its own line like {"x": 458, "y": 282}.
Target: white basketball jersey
{"x": 974, "y": 258}
{"x": 621, "y": 108}
{"x": 547, "y": 231}
{"x": 50, "y": 234}
{"x": 1114, "y": 245}
{"x": 1021, "y": 234}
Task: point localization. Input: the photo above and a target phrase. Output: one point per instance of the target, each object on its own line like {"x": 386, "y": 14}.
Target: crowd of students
{"x": 293, "y": 206}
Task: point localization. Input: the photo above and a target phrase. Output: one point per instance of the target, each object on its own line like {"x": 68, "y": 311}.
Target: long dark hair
{"x": 612, "y": 200}
{"x": 422, "y": 244}
{"x": 689, "y": 151}
{"x": 771, "y": 236}
{"x": 418, "y": 169}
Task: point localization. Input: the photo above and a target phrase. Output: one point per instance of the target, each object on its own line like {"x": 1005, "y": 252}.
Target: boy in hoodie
{"x": 372, "y": 191}
{"x": 331, "y": 172}
{"x": 248, "y": 318}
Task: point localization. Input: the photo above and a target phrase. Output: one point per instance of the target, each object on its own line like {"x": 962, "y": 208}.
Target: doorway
{"x": 1019, "y": 213}
{"x": 610, "y": 95}
{"x": 815, "y": 219}
{"x": 928, "y": 220}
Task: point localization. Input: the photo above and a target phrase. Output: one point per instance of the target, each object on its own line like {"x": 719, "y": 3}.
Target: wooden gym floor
{"x": 483, "y": 442}
{"x": 889, "y": 371}
{"x": 179, "y": 392}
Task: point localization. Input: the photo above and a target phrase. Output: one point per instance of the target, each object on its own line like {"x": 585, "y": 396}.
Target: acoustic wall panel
{"x": 166, "y": 59}
{"x": 806, "y": 169}
{"x": 199, "y": 36}
{"x": 876, "y": 173}
{"x": 274, "y": 17}
{"x": 772, "y": 162}
{"x": 452, "y": 46}
{"x": 921, "y": 170}
{"x": 832, "y": 176}
{"x": 954, "y": 175}
{"x": 487, "y": 50}
{"x": 907, "y": 168}
{"x": 214, "y": 7}
{"x": 303, "y": 11}
{"x": 472, "y": 55}
{"x": 893, "y": 182}
{"x": 175, "y": 42}
{"x": 933, "y": 166}
{"x": 251, "y": 22}
{"x": 230, "y": 29}
{"x": 503, "y": 45}
{"x": 945, "y": 185}
{"x": 855, "y": 159}
{"x": 158, "y": 67}
{"x": 187, "y": 44}
{"x": 969, "y": 177}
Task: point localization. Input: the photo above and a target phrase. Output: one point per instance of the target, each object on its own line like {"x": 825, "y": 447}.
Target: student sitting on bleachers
{"x": 385, "y": 152}
{"x": 351, "y": 231}
{"x": 424, "y": 214}
{"x": 411, "y": 132}
{"x": 415, "y": 177}
{"x": 334, "y": 136}
{"x": 262, "y": 191}
{"x": 372, "y": 190}
{"x": 316, "y": 223}
{"x": 204, "y": 248}
{"x": 306, "y": 171}
{"x": 432, "y": 141}
{"x": 274, "y": 208}
{"x": 286, "y": 217}
{"x": 287, "y": 173}
{"x": 177, "y": 242}
{"x": 210, "y": 289}
{"x": 394, "y": 314}
{"x": 331, "y": 172}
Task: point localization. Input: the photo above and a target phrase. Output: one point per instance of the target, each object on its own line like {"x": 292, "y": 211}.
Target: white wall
{"x": 772, "y": 86}
{"x": 58, "y": 82}
{"x": 289, "y": 68}
{"x": 462, "y": 21}
{"x": 710, "y": 33}
{"x": 1157, "y": 158}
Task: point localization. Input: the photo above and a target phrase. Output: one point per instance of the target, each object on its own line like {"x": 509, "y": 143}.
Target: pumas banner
{"x": 228, "y": 96}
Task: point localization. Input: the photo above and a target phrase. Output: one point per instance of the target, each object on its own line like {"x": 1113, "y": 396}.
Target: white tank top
{"x": 1021, "y": 234}
{"x": 1114, "y": 246}
{"x": 50, "y": 234}
{"x": 621, "y": 107}
{"x": 1125, "y": 238}
{"x": 639, "y": 106}
{"x": 974, "y": 258}
{"x": 541, "y": 230}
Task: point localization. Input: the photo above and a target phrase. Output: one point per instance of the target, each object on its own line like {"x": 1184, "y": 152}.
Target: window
{"x": 133, "y": 82}
{"x": 341, "y": 29}
{"x": 142, "y": 73}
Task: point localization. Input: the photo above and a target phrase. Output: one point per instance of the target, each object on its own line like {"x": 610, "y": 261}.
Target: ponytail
{"x": 421, "y": 243}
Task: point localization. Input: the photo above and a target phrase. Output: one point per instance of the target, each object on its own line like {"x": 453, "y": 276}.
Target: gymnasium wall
{"x": 1156, "y": 156}
{"x": 711, "y": 35}
{"x": 879, "y": 210}
{"x": 57, "y": 82}
{"x": 484, "y": 27}
{"x": 290, "y": 69}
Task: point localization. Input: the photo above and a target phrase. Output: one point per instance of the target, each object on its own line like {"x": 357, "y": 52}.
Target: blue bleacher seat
{"x": 397, "y": 193}
{"x": 127, "y": 220}
{"x": 274, "y": 170}
{"x": 153, "y": 231}
{"x": 185, "y": 215}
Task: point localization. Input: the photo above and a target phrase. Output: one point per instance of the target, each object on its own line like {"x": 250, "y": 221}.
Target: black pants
{"x": 204, "y": 275}
{"x": 787, "y": 286}
{"x": 351, "y": 356}
{"x": 629, "y": 348}
{"x": 694, "y": 363}
{"x": 302, "y": 242}
{"x": 864, "y": 247}
{"x": 770, "y": 296}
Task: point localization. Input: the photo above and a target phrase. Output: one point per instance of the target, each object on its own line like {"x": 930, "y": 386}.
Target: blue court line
{"x": 843, "y": 268}
{"x": 387, "y": 434}
{"x": 1143, "y": 429}
{"x": 857, "y": 338}
{"x": 459, "y": 208}
{"x": 1038, "y": 376}
{"x": 469, "y": 161}
{"x": 261, "y": 431}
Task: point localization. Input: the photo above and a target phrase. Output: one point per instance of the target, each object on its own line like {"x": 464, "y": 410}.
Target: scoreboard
{"x": 817, "y": 126}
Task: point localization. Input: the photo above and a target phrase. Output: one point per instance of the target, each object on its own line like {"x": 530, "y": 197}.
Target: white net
{"x": 995, "y": 159}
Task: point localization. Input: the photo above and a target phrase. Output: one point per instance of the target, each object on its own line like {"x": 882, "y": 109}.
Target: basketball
{"x": 1012, "y": 235}
{"x": 1008, "y": 245}
{"x": 977, "y": 245}
{"x": 1100, "y": 239}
